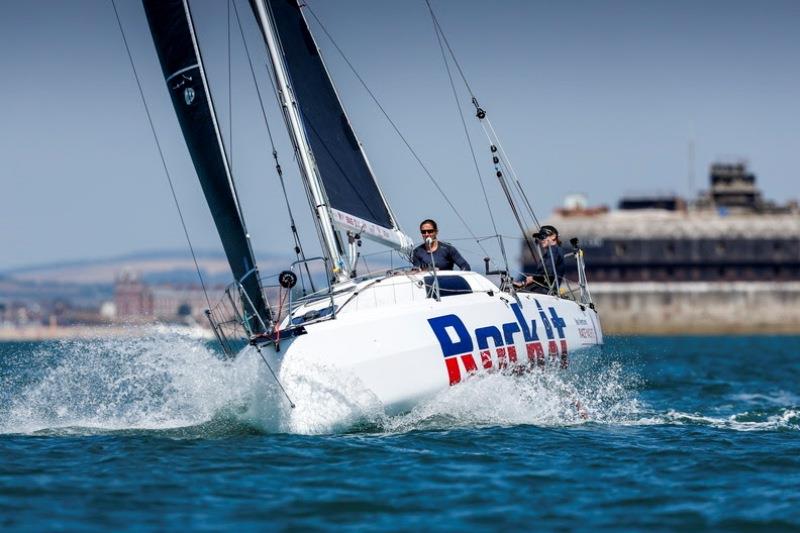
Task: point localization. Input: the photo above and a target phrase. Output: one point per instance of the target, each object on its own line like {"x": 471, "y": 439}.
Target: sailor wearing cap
{"x": 551, "y": 268}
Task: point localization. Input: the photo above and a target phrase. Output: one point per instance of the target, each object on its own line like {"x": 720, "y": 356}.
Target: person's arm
{"x": 457, "y": 259}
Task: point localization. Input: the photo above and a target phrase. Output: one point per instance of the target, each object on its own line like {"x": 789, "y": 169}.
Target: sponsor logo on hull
{"x": 494, "y": 346}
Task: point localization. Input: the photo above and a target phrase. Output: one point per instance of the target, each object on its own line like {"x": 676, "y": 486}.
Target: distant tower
{"x": 132, "y": 298}
{"x": 733, "y": 186}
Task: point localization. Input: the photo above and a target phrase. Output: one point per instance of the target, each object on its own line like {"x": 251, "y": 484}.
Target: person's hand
{"x": 521, "y": 284}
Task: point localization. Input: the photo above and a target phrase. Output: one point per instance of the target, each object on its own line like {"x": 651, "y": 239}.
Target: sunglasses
{"x": 427, "y": 231}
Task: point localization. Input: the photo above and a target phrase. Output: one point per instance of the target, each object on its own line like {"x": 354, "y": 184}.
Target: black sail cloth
{"x": 346, "y": 176}
{"x": 173, "y": 34}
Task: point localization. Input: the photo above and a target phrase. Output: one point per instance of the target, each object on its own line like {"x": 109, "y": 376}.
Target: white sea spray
{"x": 162, "y": 379}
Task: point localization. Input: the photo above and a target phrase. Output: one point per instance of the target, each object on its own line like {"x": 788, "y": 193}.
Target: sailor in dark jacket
{"x": 551, "y": 268}
{"x": 442, "y": 254}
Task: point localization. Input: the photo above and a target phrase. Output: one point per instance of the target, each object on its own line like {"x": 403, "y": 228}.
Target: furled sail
{"x": 354, "y": 199}
{"x": 173, "y": 33}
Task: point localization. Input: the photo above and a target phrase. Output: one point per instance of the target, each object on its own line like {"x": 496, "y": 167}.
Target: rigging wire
{"x": 491, "y": 133}
{"x": 160, "y": 153}
{"x": 505, "y": 162}
{"x": 452, "y": 54}
{"x": 274, "y": 375}
{"x": 298, "y": 247}
{"x": 513, "y": 172}
{"x": 394, "y": 125}
{"x": 493, "y": 139}
{"x": 439, "y": 36}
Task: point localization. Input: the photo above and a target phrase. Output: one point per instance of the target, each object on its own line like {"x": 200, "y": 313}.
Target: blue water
{"x": 157, "y": 433}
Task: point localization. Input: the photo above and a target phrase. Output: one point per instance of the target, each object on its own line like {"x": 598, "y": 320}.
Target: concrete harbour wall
{"x": 698, "y": 307}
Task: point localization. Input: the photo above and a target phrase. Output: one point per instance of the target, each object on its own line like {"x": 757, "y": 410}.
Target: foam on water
{"x": 783, "y": 418}
{"x": 160, "y": 380}
{"x": 542, "y": 398}
{"x": 327, "y": 399}
{"x": 165, "y": 380}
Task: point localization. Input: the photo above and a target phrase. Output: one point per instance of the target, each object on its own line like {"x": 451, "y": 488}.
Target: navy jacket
{"x": 444, "y": 257}
{"x": 557, "y": 259}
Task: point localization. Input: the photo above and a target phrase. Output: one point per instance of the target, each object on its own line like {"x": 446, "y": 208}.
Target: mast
{"x": 174, "y": 37}
{"x": 341, "y": 186}
{"x": 305, "y": 156}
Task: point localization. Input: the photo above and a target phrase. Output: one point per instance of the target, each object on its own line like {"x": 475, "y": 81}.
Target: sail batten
{"x": 173, "y": 34}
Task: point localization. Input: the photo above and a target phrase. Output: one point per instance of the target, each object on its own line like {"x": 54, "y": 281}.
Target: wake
{"x": 178, "y": 386}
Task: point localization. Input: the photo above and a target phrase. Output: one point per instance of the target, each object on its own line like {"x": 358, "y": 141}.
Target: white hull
{"x": 405, "y": 347}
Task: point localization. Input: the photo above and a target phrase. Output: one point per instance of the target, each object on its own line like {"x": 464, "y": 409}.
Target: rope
{"x": 392, "y": 123}
{"x": 160, "y": 152}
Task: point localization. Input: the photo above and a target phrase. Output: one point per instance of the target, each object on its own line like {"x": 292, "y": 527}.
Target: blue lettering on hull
{"x": 458, "y": 344}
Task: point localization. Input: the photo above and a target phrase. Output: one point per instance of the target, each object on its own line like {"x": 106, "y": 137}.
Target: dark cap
{"x": 547, "y": 230}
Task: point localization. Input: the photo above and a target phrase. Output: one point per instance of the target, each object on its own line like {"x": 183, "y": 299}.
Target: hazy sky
{"x": 594, "y": 97}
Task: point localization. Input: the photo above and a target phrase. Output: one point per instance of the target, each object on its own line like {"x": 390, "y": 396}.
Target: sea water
{"x": 158, "y": 432}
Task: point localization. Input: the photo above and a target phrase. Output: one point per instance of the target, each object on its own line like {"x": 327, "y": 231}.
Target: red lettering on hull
{"x": 486, "y": 359}
{"x": 452, "y": 370}
{"x": 552, "y": 349}
{"x": 469, "y": 363}
{"x": 535, "y": 353}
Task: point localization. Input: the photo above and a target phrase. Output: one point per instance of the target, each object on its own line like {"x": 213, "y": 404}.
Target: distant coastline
{"x": 39, "y": 332}
{"x": 611, "y": 326}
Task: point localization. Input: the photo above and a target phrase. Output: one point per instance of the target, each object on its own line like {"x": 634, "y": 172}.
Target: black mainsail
{"x": 173, "y": 33}
{"x": 354, "y": 200}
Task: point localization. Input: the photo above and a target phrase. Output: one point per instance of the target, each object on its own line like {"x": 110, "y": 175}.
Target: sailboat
{"x": 406, "y": 335}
